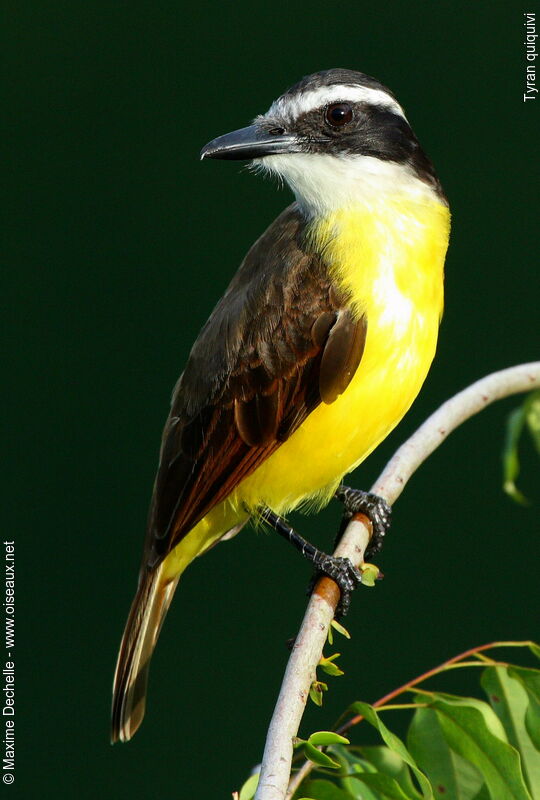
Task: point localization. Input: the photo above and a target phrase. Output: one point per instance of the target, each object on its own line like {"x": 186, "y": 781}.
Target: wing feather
{"x": 281, "y": 340}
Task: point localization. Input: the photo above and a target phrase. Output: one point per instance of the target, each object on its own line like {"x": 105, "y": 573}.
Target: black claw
{"x": 345, "y": 574}
{"x": 374, "y": 507}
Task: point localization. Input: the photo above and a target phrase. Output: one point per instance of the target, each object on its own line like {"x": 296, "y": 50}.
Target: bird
{"x": 315, "y": 352}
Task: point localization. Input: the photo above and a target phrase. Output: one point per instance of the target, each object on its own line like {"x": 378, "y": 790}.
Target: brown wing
{"x": 279, "y": 342}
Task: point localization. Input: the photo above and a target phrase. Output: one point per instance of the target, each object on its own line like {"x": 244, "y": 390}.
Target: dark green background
{"x": 118, "y": 243}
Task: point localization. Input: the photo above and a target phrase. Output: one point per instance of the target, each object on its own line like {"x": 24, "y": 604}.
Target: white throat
{"x": 324, "y": 183}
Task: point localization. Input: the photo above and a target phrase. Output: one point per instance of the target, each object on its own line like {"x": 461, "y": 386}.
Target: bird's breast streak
{"x": 389, "y": 258}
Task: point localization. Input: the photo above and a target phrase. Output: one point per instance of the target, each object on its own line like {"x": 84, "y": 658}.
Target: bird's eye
{"x": 338, "y": 114}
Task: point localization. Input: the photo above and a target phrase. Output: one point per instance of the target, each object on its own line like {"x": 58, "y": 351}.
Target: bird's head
{"x": 335, "y": 137}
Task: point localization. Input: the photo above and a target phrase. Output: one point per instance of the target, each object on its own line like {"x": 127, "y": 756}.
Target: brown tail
{"x": 142, "y": 629}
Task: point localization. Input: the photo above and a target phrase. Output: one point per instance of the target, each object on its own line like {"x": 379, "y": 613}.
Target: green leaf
{"x": 328, "y": 665}
{"x": 528, "y": 414}
{"x": 316, "y": 692}
{"x": 250, "y": 787}
{"x": 351, "y": 764}
{"x": 390, "y": 763}
{"x": 326, "y": 737}
{"x": 395, "y": 744}
{"x": 370, "y": 574}
{"x": 386, "y": 787}
{"x": 449, "y": 773}
{"x": 510, "y": 457}
{"x": 465, "y": 729}
{"x": 318, "y": 757}
{"x": 535, "y": 650}
{"x": 331, "y": 669}
{"x": 340, "y": 628}
{"x": 325, "y": 790}
{"x": 510, "y": 701}
{"x": 532, "y": 417}
{"x": 492, "y": 721}
{"x": 483, "y": 794}
{"x": 530, "y": 680}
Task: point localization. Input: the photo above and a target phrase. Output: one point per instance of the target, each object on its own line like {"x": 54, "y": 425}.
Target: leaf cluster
{"x": 459, "y": 748}
{"x": 456, "y": 748}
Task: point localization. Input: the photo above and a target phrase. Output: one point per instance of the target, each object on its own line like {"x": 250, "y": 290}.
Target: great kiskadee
{"x": 314, "y": 353}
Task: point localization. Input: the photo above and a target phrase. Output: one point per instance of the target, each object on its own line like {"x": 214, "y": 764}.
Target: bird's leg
{"x": 340, "y": 570}
{"x": 374, "y": 507}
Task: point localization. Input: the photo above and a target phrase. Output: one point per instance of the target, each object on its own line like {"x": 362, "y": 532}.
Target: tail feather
{"x": 145, "y": 619}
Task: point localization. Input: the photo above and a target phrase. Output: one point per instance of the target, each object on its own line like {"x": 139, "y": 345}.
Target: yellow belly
{"x": 391, "y": 260}
{"x": 390, "y": 257}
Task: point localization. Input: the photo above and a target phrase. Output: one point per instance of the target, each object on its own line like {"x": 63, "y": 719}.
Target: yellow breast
{"x": 390, "y": 258}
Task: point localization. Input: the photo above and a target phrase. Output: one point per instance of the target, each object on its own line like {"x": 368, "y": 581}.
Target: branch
{"x": 307, "y": 649}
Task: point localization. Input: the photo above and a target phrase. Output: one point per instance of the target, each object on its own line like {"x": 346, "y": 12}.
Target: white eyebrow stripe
{"x": 292, "y": 107}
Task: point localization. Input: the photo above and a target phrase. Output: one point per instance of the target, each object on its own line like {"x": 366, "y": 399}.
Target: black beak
{"x": 248, "y": 143}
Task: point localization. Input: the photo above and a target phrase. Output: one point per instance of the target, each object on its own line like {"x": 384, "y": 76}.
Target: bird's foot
{"x": 340, "y": 570}
{"x": 374, "y": 507}
{"x": 343, "y": 572}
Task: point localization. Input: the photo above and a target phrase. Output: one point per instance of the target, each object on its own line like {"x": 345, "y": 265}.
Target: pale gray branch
{"x": 307, "y": 650}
